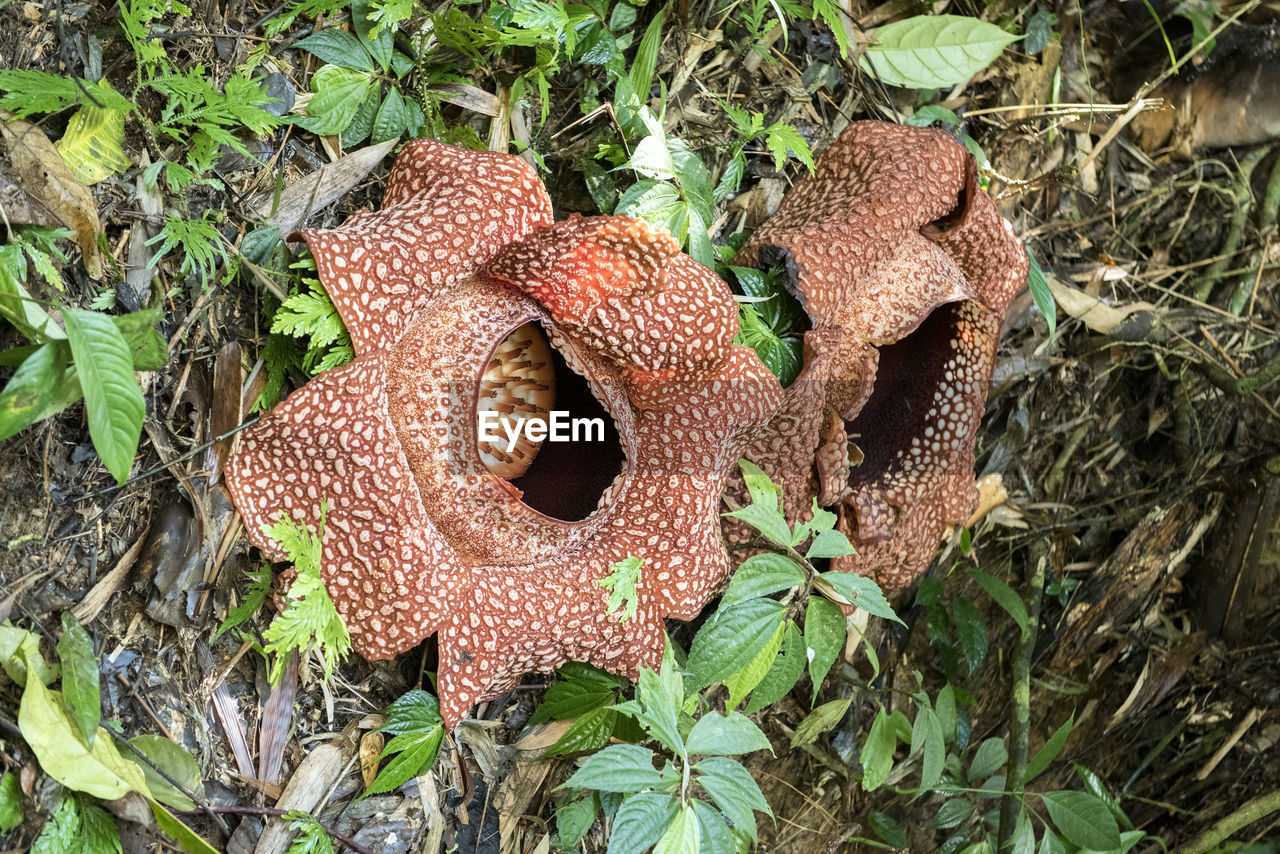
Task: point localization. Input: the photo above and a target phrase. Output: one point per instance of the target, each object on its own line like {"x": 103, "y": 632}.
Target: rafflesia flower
{"x": 463, "y": 298}
{"x": 905, "y": 270}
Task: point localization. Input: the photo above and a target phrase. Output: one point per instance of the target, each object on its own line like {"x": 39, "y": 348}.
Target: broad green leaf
{"x": 641, "y": 821}
{"x": 785, "y": 672}
{"x": 391, "y": 120}
{"x": 745, "y": 680}
{"x": 782, "y": 355}
{"x": 338, "y": 48}
{"x": 927, "y": 115}
{"x": 759, "y": 486}
{"x": 80, "y": 692}
{"x": 1045, "y": 755}
{"x": 683, "y": 836}
{"x": 340, "y": 92}
{"x": 149, "y": 349}
{"x": 951, "y": 813}
{"x": 824, "y": 630}
{"x": 99, "y": 771}
{"x": 414, "y": 752}
{"x": 658, "y": 696}
{"x": 364, "y": 21}
{"x": 565, "y": 700}
{"x": 590, "y": 731}
{"x": 877, "y": 752}
{"x": 716, "y": 837}
{"x": 862, "y": 592}
{"x": 17, "y": 305}
{"x": 20, "y": 650}
{"x": 93, "y": 145}
{"x": 971, "y": 630}
{"x": 575, "y": 817}
{"x": 10, "y": 802}
{"x": 699, "y": 246}
{"x": 1041, "y": 294}
{"x": 657, "y": 203}
{"x": 767, "y": 520}
{"x": 112, "y": 398}
{"x": 990, "y": 756}
{"x": 734, "y": 791}
{"x": 829, "y": 544}
{"x": 1083, "y": 819}
{"x": 945, "y": 705}
{"x": 1024, "y": 836}
{"x": 761, "y": 575}
{"x": 693, "y": 179}
{"x": 1004, "y": 595}
{"x": 36, "y": 388}
{"x": 174, "y": 761}
{"x": 887, "y": 829}
{"x": 821, "y": 720}
{"x": 362, "y": 125}
{"x": 187, "y": 839}
{"x": 933, "y": 51}
{"x": 926, "y": 735}
{"x": 725, "y": 735}
{"x": 732, "y": 638}
{"x": 618, "y": 768}
{"x": 651, "y": 158}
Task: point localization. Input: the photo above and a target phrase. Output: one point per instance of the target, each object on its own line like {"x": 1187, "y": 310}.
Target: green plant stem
{"x": 1020, "y": 721}
{"x": 1270, "y": 200}
{"x": 1241, "y": 194}
{"x": 1241, "y": 386}
{"x": 1256, "y": 809}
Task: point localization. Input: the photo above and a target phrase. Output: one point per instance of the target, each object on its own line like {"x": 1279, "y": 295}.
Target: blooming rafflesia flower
{"x": 463, "y": 297}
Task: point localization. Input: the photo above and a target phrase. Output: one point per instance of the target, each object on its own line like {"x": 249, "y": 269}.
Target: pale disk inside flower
{"x": 520, "y": 385}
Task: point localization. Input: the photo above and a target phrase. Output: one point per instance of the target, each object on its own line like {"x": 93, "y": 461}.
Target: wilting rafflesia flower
{"x": 462, "y": 298}
{"x": 905, "y": 270}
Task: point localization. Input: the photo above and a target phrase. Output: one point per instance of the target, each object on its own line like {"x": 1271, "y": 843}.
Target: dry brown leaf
{"x": 321, "y": 188}
{"x": 1096, "y": 314}
{"x": 37, "y": 167}
{"x": 370, "y": 749}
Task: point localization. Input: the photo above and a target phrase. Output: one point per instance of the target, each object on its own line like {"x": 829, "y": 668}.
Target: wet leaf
{"x": 80, "y": 691}
{"x": 174, "y": 761}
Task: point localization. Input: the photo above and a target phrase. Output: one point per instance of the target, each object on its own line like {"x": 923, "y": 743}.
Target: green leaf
{"x": 699, "y": 240}
{"x": 380, "y": 46}
{"x": 575, "y": 817}
{"x": 926, "y": 735}
{"x": 877, "y": 752}
{"x": 20, "y": 651}
{"x": 112, "y": 398}
{"x": 759, "y": 486}
{"x": 725, "y": 735}
{"x": 830, "y": 544}
{"x": 312, "y": 837}
{"x": 887, "y": 829}
{"x": 641, "y": 821}
{"x": 415, "y": 752}
{"x": 821, "y": 720}
{"x": 971, "y": 630}
{"x": 933, "y": 51}
{"x": 1041, "y": 294}
{"x": 621, "y": 583}
{"x": 951, "y": 813}
{"x": 362, "y": 125}
{"x": 927, "y": 115}
{"x": 590, "y": 731}
{"x": 175, "y": 761}
{"x": 10, "y": 802}
{"x": 413, "y": 711}
{"x": 565, "y": 700}
{"x": 618, "y": 768}
{"x": 783, "y": 356}
{"x": 785, "y": 672}
{"x": 683, "y": 836}
{"x": 80, "y": 692}
{"x": 99, "y": 771}
{"x": 260, "y": 581}
{"x": 991, "y": 755}
{"x": 945, "y": 707}
{"x": 657, "y": 704}
{"x": 1083, "y": 819}
{"x": 734, "y": 791}
{"x": 1046, "y": 754}
{"x": 17, "y": 305}
{"x": 391, "y": 120}
{"x": 338, "y": 48}
{"x": 713, "y": 827}
{"x": 782, "y": 139}
{"x": 833, "y": 15}
{"x": 187, "y": 838}
{"x": 339, "y": 94}
{"x": 771, "y": 524}
{"x": 732, "y": 638}
{"x": 93, "y": 145}
{"x": 646, "y": 61}
{"x": 1040, "y": 30}
{"x": 824, "y": 631}
{"x": 862, "y": 592}
{"x": 657, "y": 203}
{"x": 81, "y": 826}
{"x": 150, "y": 350}
{"x": 43, "y": 385}
{"x": 761, "y": 575}
{"x": 1004, "y": 595}
{"x": 745, "y": 680}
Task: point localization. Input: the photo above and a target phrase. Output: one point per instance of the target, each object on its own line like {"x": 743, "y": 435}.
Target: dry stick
{"x": 1240, "y": 196}
{"x": 1256, "y": 809}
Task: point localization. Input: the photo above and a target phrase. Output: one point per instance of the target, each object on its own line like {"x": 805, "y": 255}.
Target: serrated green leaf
{"x": 713, "y": 826}
{"x": 339, "y": 48}
{"x": 786, "y": 671}
{"x": 80, "y": 692}
{"x": 1083, "y": 820}
{"x": 951, "y": 814}
{"x": 575, "y": 817}
{"x": 380, "y": 45}
{"x": 565, "y": 700}
{"x": 771, "y": 524}
{"x": 887, "y": 829}
{"x": 821, "y": 720}
{"x": 391, "y": 120}
{"x": 413, "y": 711}
{"x": 641, "y": 821}
{"x": 113, "y": 400}
{"x": 971, "y": 630}
{"x": 590, "y": 731}
{"x": 174, "y": 761}
{"x": 618, "y": 768}
{"x": 824, "y": 631}
{"x": 745, "y": 680}
{"x": 926, "y": 736}
{"x": 991, "y": 755}
{"x": 725, "y": 735}
{"x": 732, "y": 638}
{"x": 621, "y": 583}
{"x": 782, "y": 139}
{"x": 414, "y": 752}
{"x": 339, "y": 94}
{"x": 877, "y": 752}
{"x": 760, "y": 575}
{"x": 863, "y": 592}
{"x": 783, "y": 356}
{"x": 933, "y": 51}
{"x": 830, "y": 544}
{"x": 683, "y": 836}
{"x": 734, "y": 791}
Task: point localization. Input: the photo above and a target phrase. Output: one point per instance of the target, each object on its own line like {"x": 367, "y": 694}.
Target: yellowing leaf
{"x": 93, "y": 146}
{"x": 52, "y": 737}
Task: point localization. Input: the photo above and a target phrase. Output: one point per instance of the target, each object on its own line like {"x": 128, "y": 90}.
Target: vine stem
{"x": 1256, "y": 809}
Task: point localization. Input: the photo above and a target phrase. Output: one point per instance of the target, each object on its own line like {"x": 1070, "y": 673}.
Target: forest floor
{"x": 1138, "y": 443}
